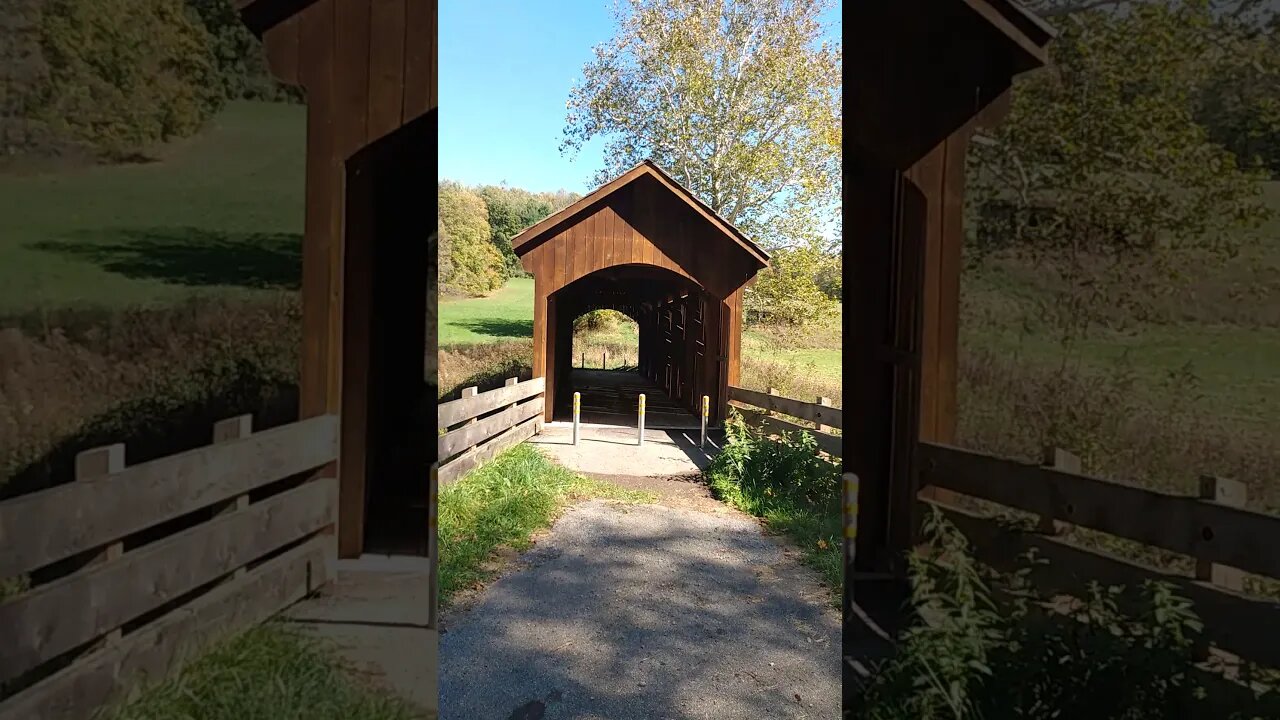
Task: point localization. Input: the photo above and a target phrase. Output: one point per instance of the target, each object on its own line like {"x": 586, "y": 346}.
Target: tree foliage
{"x": 739, "y": 100}
{"x": 469, "y": 262}
{"x": 510, "y": 211}
{"x": 789, "y": 291}
{"x": 1101, "y": 172}
{"x": 238, "y": 55}
{"x": 125, "y": 73}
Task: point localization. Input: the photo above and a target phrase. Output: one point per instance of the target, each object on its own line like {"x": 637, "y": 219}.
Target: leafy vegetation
{"x": 500, "y": 505}
{"x": 469, "y": 261}
{"x": 987, "y": 648}
{"x": 124, "y": 74}
{"x": 785, "y": 482}
{"x": 270, "y": 672}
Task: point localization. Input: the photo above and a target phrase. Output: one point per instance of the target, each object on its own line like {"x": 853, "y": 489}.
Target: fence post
{"x": 641, "y": 420}
{"x": 604, "y": 359}
{"x": 850, "y": 519}
{"x": 584, "y": 361}
{"x": 769, "y": 411}
{"x": 470, "y": 392}
{"x": 1231, "y": 493}
{"x": 1058, "y": 459}
{"x": 577, "y": 414}
{"x": 824, "y": 402}
{"x": 508, "y": 383}
{"x": 91, "y": 465}
{"x": 433, "y": 545}
{"x": 224, "y": 431}
{"x": 706, "y": 407}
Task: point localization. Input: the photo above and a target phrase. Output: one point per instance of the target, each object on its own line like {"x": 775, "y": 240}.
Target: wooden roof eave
{"x": 526, "y": 239}
{"x": 262, "y": 15}
{"x": 1028, "y": 35}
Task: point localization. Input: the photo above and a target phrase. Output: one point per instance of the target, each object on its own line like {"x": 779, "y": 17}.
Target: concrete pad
{"x": 376, "y": 612}
{"x": 611, "y": 450}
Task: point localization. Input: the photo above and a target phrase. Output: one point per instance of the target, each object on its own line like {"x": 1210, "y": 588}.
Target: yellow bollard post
{"x": 641, "y": 419}
{"x": 706, "y": 408}
{"x": 577, "y": 413}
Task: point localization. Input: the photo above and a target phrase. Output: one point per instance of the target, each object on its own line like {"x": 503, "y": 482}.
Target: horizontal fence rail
{"x": 822, "y": 415}
{"x": 478, "y": 426}
{"x": 1223, "y": 539}
{"x": 131, "y": 568}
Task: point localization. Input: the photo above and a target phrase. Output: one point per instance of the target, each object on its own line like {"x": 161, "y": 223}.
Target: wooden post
{"x": 769, "y": 411}
{"x": 90, "y": 465}
{"x": 470, "y": 392}
{"x": 604, "y": 360}
{"x": 1231, "y": 493}
{"x": 824, "y": 402}
{"x": 1058, "y": 459}
{"x": 433, "y": 545}
{"x": 508, "y": 383}
{"x": 224, "y": 431}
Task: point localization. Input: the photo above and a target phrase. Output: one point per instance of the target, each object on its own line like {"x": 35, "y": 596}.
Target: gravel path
{"x": 646, "y": 612}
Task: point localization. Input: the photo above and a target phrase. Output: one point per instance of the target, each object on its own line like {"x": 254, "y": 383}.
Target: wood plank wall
{"x": 643, "y": 223}
{"x": 368, "y": 68}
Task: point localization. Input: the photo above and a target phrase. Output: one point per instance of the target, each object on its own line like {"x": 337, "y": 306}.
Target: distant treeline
{"x": 476, "y": 227}
{"x": 108, "y": 78}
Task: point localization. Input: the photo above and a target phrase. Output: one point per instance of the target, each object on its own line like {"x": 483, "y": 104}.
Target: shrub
{"x": 787, "y": 483}
{"x": 989, "y": 649}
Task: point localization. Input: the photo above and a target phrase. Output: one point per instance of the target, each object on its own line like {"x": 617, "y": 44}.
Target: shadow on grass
{"x": 190, "y": 256}
{"x": 496, "y": 327}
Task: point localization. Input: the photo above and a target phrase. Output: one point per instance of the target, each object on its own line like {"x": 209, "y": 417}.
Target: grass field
{"x": 222, "y": 211}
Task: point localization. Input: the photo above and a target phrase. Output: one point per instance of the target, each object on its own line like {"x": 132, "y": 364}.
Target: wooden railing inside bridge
{"x": 130, "y": 570}
{"x": 1218, "y": 537}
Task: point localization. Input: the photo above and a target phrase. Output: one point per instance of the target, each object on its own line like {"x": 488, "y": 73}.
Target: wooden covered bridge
{"x": 645, "y": 246}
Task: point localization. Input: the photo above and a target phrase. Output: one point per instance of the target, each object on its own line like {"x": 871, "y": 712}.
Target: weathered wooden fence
{"x": 131, "y": 569}
{"x": 478, "y": 426}
{"x": 820, "y": 414}
{"x": 1214, "y": 529}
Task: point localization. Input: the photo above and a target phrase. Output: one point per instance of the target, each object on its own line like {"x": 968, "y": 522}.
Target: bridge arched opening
{"x": 673, "y": 336}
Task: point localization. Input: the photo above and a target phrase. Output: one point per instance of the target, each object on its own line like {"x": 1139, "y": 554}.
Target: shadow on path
{"x": 646, "y": 611}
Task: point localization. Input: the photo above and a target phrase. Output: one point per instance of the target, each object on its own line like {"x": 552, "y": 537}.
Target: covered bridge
{"x": 643, "y": 245}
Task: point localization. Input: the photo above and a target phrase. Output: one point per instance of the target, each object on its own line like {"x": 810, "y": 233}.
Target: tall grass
{"x": 501, "y": 505}
{"x": 271, "y": 672}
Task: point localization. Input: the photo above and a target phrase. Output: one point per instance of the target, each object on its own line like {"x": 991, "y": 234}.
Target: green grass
{"x": 506, "y": 314}
{"x": 500, "y": 505}
{"x": 271, "y": 672}
{"x": 219, "y": 212}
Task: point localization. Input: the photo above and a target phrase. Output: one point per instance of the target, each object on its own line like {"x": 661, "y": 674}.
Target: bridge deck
{"x": 611, "y": 397}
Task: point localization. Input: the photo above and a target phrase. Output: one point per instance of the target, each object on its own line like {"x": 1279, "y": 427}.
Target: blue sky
{"x": 506, "y": 67}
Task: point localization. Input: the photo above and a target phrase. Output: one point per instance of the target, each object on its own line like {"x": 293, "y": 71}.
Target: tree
{"x": 125, "y": 73}
{"x": 789, "y": 291}
{"x": 738, "y": 99}
{"x": 238, "y": 55}
{"x": 510, "y": 211}
{"x": 1102, "y": 175}
{"x": 469, "y": 262}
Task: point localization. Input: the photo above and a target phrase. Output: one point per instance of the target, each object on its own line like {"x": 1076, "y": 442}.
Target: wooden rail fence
{"x": 758, "y": 409}
{"x": 478, "y": 426}
{"x": 1224, "y": 538}
{"x": 132, "y": 569}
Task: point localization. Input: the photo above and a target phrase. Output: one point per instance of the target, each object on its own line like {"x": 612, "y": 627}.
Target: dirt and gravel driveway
{"x": 677, "y": 609}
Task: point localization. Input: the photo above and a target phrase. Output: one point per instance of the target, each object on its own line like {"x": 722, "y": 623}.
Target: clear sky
{"x": 506, "y": 67}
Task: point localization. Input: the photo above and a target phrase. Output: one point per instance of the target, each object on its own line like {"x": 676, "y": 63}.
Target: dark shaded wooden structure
{"x": 368, "y": 68}
{"x": 643, "y": 245}
{"x": 925, "y": 75}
